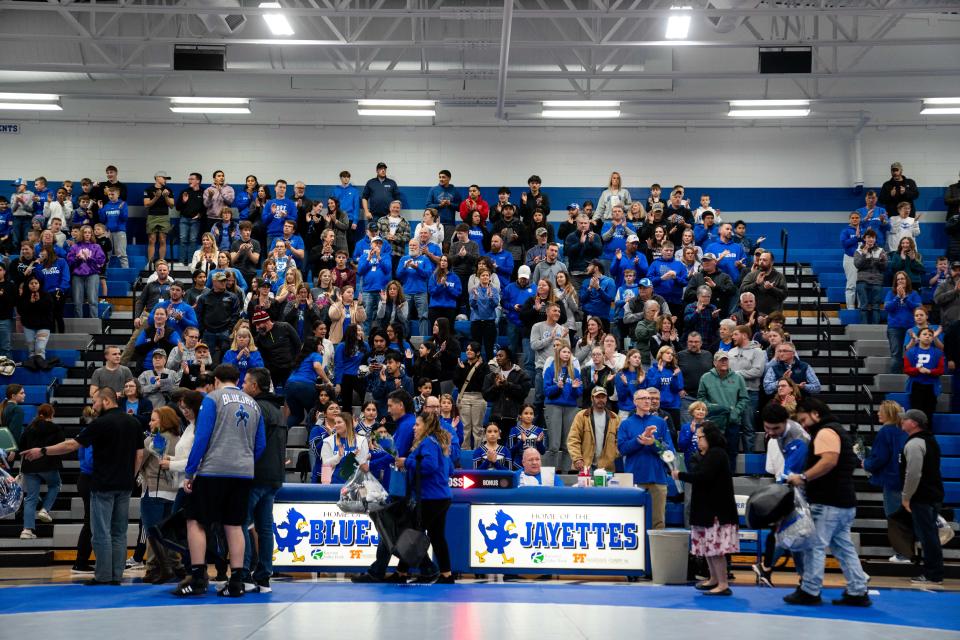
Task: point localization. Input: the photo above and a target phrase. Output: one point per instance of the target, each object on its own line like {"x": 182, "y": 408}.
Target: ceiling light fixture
{"x": 240, "y": 111}
{"x": 30, "y": 102}
{"x": 769, "y": 103}
{"x": 955, "y": 101}
{"x": 948, "y": 110}
{"x": 376, "y": 102}
{"x": 276, "y": 22}
{"x": 678, "y": 26}
{"x": 410, "y": 113}
{"x": 194, "y": 100}
{"x": 768, "y": 113}
{"x": 588, "y": 114}
{"x": 568, "y": 104}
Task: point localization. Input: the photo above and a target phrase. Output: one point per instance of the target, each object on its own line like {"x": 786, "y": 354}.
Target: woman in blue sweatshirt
{"x": 429, "y": 459}
{"x": 444, "y": 287}
{"x": 55, "y": 275}
{"x": 628, "y": 380}
{"x": 484, "y": 302}
{"x": 347, "y": 358}
{"x": 899, "y": 304}
{"x": 562, "y": 389}
{"x": 666, "y": 376}
{"x": 883, "y": 463}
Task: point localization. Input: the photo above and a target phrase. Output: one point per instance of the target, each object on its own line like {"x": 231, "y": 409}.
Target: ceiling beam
{"x": 504, "y": 57}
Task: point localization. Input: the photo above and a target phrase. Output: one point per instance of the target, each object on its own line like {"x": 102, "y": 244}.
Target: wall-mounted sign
{"x": 9, "y": 128}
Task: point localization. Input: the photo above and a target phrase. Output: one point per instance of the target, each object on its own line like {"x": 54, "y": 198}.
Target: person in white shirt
{"x": 60, "y": 208}
{"x": 533, "y": 475}
{"x": 902, "y": 225}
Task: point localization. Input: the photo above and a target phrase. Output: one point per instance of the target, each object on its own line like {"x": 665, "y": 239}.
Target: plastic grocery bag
{"x": 362, "y": 493}
{"x": 797, "y": 532}
{"x": 11, "y": 494}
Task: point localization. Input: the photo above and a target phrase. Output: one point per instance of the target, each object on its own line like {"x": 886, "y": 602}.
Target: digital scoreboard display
{"x": 470, "y": 479}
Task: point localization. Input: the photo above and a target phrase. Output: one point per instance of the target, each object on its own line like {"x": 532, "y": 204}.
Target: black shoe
{"x": 263, "y": 585}
{"x": 510, "y": 577}
{"x": 191, "y": 586}
{"x": 801, "y": 597}
{"x": 366, "y": 578}
{"x": 446, "y": 580}
{"x": 396, "y": 578}
{"x": 850, "y": 600}
{"x": 233, "y": 589}
{"x": 725, "y": 592}
{"x": 115, "y": 583}
{"x": 703, "y": 586}
{"x": 764, "y": 576}
{"x": 93, "y": 582}
{"x": 426, "y": 579}
{"x": 81, "y": 569}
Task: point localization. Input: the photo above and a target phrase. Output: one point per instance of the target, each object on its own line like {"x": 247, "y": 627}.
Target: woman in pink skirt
{"x": 713, "y": 509}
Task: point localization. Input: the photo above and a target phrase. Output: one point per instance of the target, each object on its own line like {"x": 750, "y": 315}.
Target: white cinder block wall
{"x": 576, "y": 157}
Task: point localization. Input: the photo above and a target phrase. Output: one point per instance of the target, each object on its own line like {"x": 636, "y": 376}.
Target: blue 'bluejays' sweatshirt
{"x": 375, "y": 273}
{"x": 230, "y": 435}
{"x": 671, "y": 289}
{"x": 514, "y": 295}
{"x": 413, "y": 273}
{"x": 615, "y": 237}
{"x": 56, "y": 276}
{"x": 900, "y": 312}
{"x": 484, "y": 303}
{"x": 444, "y": 295}
{"x": 596, "y": 302}
{"x": 114, "y": 215}
{"x": 637, "y": 262}
{"x": 349, "y": 199}
{"x": 642, "y": 460}
{"x": 275, "y": 213}
{"x": 438, "y": 193}
{"x": 561, "y": 392}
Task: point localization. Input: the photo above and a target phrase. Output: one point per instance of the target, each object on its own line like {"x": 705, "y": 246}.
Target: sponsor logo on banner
{"x": 557, "y": 537}
{"x": 320, "y": 535}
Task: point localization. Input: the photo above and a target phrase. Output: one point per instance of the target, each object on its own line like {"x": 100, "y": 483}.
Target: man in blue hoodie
{"x": 413, "y": 272}
{"x": 640, "y": 440}
{"x": 502, "y": 260}
{"x": 375, "y": 268}
{"x": 445, "y": 198}
{"x": 669, "y": 276}
{"x": 597, "y": 293}
{"x": 349, "y": 198}
{"x": 277, "y": 211}
{"x": 730, "y": 255}
{"x": 512, "y": 299}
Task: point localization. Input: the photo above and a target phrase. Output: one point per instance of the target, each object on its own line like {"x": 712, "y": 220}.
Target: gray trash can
{"x": 669, "y": 549}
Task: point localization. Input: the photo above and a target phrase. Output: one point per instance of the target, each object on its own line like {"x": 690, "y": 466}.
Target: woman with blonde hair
{"x": 326, "y": 292}
{"x": 243, "y": 353}
{"x": 159, "y": 489}
{"x": 628, "y": 381}
{"x": 883, "y": 463}
{"x": 592, "y": 337}
{"x": 612, "y": 196}
{"x": 341, "y": 442}
{"x": 666, "y": 376}
{"x": 205, "y": 258}
{"x": 392, "y": 306}
{"x": 292, "y": 280}
{"x": 561, "y": 390}
{"x": 343, "y": 312}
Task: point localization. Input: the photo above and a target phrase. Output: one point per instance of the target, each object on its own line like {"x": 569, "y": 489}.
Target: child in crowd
{"x": 902, "y": 225}
{"x": 425, "y": 389}
{"x": 102, "y": 239}
{"x": 225, "y": 230}
{"x": 704, "y": 207}
{"x": 491, "y": 454}
{"x": 83, "y": 213}
{"x": 654, "y": 197}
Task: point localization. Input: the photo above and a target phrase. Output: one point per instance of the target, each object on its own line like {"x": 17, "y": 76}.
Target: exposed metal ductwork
{"x": 225, "y": 24}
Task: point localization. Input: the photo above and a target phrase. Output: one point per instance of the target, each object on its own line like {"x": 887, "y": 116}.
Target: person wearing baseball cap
{"x": 725, "y": 393}
{"x": 21, "y": 206}
{"x": 538, "y": 252}
{"x": 375, "y": 267}
{"x": 923, "y": 491}
{"x": 592, "y": 441}
{"x": 513, "y": 297}
{"x": 157, "y": 200}
{"x": 377, "y": 195}
{"x": 278, "y": 343}
{"x": 898, "y": 189}
{"x": 157, "y": 381}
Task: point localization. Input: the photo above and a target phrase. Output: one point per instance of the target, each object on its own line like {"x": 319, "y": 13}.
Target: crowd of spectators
{"x": 599, "y": 343}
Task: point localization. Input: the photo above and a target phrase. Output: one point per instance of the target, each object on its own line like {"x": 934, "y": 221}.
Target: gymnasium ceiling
{"x": 485, "y": 63}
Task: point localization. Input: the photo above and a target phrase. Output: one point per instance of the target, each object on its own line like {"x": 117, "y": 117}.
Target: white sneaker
{"x": 133, "y": 564}
{"x": 44, "y": 516}
{"x": 898, "y": 559}
{"x": 26, "y": 534}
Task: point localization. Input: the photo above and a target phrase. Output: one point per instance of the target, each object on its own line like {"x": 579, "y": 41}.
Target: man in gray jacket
{"x": 542, "y": 336}
{"x": 550, "y": 266}
{"x": 947, "y": 296}
{"x": 269, "y": 473}
{"x": 749, "y": 360}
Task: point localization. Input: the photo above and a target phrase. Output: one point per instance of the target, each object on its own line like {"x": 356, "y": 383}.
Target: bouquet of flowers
{"x": 670, "y": 459}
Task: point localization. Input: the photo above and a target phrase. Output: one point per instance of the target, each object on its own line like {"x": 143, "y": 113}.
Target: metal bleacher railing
{"x": 784, "y": 241}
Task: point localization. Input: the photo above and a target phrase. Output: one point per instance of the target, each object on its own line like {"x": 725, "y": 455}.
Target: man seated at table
{"x": 530, "y": 475}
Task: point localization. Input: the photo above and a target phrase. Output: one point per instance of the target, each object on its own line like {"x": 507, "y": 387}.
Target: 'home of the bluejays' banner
{"x": 320, "y": 535}
{"x": 557, "y": 537}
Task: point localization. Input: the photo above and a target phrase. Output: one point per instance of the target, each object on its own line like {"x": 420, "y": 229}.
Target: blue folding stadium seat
{"x": 952, "y": 491}
{"x": 949, "y": 445}
{"x": 850, "y": 316}
{"x": 27, "y": 377}
{"x": 36, "y": 394}
{"x": 901, "y": 398}
{"x": 950, "y": 468}
{"x": 946, "y": 423}
{"x": 68, "y": 357}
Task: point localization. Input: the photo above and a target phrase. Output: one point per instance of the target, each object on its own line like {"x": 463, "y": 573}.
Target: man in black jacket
{"x": 828, "y": 479}
{"x": 193, "y": 215}
{"x": 898, "y": 189}
{"x": 719, "y": 282}
{"x": 505, "y": 387}
{"x": 279, "y": 345}
{"x": 269, "y": 473}
{"x": 217, "y": 313}
{"x": 923, "y": 492}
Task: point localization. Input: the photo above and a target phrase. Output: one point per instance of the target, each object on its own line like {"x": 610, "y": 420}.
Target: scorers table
{"x": 528, "y": 530}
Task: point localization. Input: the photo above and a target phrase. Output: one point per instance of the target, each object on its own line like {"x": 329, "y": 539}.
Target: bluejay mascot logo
{"x": 502, "y": 529}
{"x": 242, "y": 417}
{"x": 296, "y": 530}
